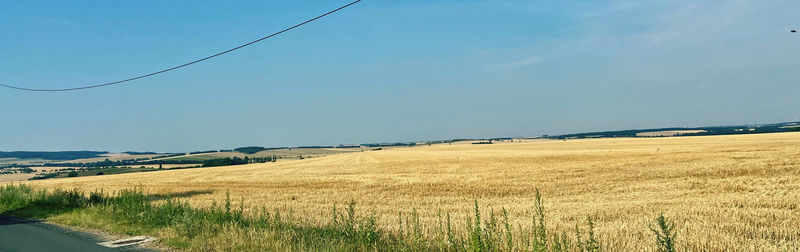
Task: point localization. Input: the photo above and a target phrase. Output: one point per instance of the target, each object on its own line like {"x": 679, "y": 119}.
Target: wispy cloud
{"x": 516, "y": 64}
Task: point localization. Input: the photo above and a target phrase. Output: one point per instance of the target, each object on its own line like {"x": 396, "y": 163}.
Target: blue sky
{"x": 388, "y": 70}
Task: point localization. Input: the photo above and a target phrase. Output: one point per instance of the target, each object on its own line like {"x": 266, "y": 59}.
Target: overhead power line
{"x": 185, "y": 64}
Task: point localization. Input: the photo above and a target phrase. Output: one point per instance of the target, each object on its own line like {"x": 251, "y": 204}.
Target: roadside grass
{"x": 222, "y": 227}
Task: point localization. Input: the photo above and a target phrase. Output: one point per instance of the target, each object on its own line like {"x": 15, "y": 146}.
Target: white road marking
{"x": 127, "y": 241}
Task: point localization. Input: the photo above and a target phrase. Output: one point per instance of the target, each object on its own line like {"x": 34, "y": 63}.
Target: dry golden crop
{"x": 738, "y": 192}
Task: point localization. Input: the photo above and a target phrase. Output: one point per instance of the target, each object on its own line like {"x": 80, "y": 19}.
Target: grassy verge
{"x": 223, "y": 228}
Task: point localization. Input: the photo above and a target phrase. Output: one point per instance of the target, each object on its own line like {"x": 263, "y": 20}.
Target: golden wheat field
{"x": 737, "y": 192}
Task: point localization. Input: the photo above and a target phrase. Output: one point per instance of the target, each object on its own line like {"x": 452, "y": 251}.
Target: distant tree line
{"x": 263, "y": 159}
{"x": 12, "y": 165}
{"x": 238, "y": 161}
{"x": 706, "y": 131}
{"x": 484, "y": 142}
{"x": 448, "y": 141}
{"x": 52, "y": 155}
{"x": 44, "y": 176}
{"x": 127, "y": 162}
{"x": 249, "y": 149}
{"x": 20, "y": 170}
{"x": 133, "y": 162}
{"x": 342, "y": 146}
{"x": 201, "y": 152}
{"x": 389, "y": 144}
{"x": 139, "y": 153}
{"x": 741, "y": 130}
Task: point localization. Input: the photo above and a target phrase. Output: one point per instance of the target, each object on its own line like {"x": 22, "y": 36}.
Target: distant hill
{"x": 696, "y": 131}
{"x": 140, "y": 153}
{"x": 655, "y": 132}
{"x": 52, "y": 155}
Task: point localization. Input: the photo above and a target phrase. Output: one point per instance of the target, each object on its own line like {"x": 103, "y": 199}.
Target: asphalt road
{"x": 26, "y": 235}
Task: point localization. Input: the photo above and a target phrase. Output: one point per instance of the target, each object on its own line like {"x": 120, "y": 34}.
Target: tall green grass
{"x": 223, "y": 227}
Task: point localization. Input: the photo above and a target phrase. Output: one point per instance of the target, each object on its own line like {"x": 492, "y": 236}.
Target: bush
{"x": 44, "y": 176}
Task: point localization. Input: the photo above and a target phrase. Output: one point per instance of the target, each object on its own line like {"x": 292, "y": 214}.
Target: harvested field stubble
{"x": 737, "y": 192}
